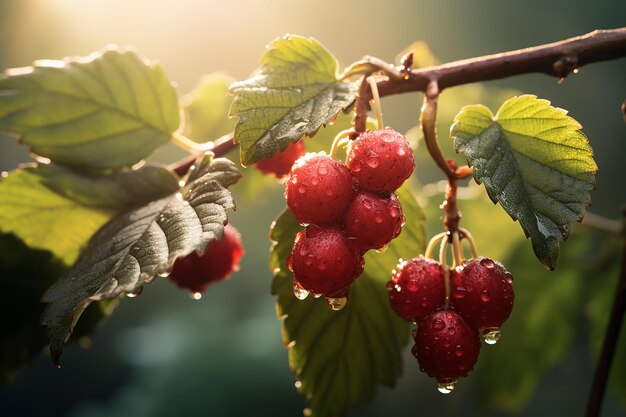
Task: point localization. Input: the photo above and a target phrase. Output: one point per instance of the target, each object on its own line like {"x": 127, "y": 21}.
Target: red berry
{"x": 280, "y": 164}
{"x": 322, "y": 260}
{"x": 446, "y": 347}
{"x": 380, "y": 160}
{"x": 482, "y": 292}
{"x": 416, "y": 288}
{"x": 373, "y": 219}
{"x": 220, "y": 259}
{"x": 319, "y": 189}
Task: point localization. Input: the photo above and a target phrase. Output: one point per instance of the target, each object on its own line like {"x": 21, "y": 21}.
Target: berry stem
{"x": 379, "y": 114}
{"x": 470, "y": 239}
{"x": 600, "y": 378}
{"x": 339, "y": 140}
{"x": 456, "y": 249}
{"x": 189, "y": 145}
{"x": 431, "y": 245}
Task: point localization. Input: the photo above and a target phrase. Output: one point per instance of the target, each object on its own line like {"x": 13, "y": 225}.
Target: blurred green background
{"x": 166, "y": 355}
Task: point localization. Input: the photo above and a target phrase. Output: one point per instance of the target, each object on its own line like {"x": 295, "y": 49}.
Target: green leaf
{"x": 340, "y": 356}
{"x": 107, "y": 110}
{"x": 54, "y": 208}
{"x": 540, "y": 330}
{"x": 207, "y": 107}
{"x": 141, "y": 243}
{"x": 294, "y": 92}
{"x": 534, "y": 161}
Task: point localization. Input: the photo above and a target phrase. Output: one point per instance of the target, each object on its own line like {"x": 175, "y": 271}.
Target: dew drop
{"x": 491, "y": 335}
{"x": 315, "y": 181}
{"x": 308, "y": 261}
{"x": 317, "y": 295}
{"x": 302, "y": 189}
{"x": 135, "y": 293}
{"x": 487, "y": 263}
{"x": 509, "y": 278}
{"x": 383, "y": 249}
{"x": 394, "y": 212}
{"x": 372, "y": 161}
{"x": 446, "y": 387}
{"x": 458, "y": 295}
{"x": 458, "y": 352}
{"x": 289, "y": 262}
{"x": 356, "y": 167}
{"x": 438, "y": 324}
{"x": 322, "y": 170}
{"x": 299, "y": 292}
{"x": 576, "y": 70}
{"x": 336, "y": 303}
{"x": 378, "y": 218}
{"x": 367, "y": 204}
{"x": 298, "y": 384}
{"x": 329, "y": 192}
{"x": 401, "y": 152}
{"x": 196, "y": 296}
{"x": 484, "y": 297}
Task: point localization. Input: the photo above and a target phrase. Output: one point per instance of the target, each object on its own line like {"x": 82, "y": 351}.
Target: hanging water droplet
{"x": 484, "y": 297}
{"x": 196, "y": 295}
{"x": 576, "y": 70}
{"x": 299, "y": 292}
{"x": 372, "y": 161}
{"x": 356, "y": 167}
{"x": 383, "y": 249}
{"x": 336, "y": 303}
{"x": 317, "y": 295}
{"x": 446, "y": 387}
{"x": 509, "y": 278}
{"x": 135, "y": 293}
{"x": 491, "y": 336}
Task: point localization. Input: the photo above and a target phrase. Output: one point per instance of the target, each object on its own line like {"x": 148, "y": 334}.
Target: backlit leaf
{"x": 534, "y": 161}
{"x": 294, "y": 92}
{"x": 106, "y": 110}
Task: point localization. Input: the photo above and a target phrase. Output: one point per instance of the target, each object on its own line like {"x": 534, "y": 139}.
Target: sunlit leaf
{"x": 294, "y": 92}
{"x": 534, "y": 161}
{"x": 340, "y": 356}
{"x": 207, "y": 107}
{"x": 55, "y": 208}
{"x": 107, "y": 110}
{"x": 540, "y": 331}
{"x": 141, "y": 243}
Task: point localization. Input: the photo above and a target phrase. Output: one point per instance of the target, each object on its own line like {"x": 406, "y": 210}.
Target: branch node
{"x": 565, "y": 65}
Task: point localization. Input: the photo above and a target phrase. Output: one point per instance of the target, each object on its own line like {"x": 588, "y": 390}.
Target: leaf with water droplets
{"x": 534, "y": 160}
{"x": 340, "y": 356}
{"x": 106, "y": 110}
{"x": 140, "y": 243}
{"x": 294, "y": 92}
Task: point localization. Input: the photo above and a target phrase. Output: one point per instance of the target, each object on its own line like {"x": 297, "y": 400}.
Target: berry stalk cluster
{"x": 347, "y": 209}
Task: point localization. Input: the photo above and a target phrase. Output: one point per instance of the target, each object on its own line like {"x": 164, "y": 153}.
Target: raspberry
{"x": 416, "y": 288}
{"x": 446, "y": 347}
{"x": 322, "y": 260}
{"x": 482, "y": 292}
{"x": 380, "y": 160}
{"x": 280, "y": 164}
{"x": 373, "y": 220}
{"x": 318, "y": 189}
{"x": 220, "y": 259}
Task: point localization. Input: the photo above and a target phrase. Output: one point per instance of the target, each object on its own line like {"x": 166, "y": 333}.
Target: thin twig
{"x": 220, "y": 147}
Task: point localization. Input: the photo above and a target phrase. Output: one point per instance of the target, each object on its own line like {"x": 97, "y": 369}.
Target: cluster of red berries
{"x": 220, "y": 259}
{"x": 447, "y": 341}
{"x": 347, "y": 210}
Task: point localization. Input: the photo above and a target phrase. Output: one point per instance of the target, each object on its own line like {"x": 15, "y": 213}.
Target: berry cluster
{"x": 220, "y": 259}
{"x": 347, "y": 209}
{"x": 450, "y": 307}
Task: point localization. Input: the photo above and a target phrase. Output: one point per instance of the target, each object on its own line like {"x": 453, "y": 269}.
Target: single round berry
{"x": 373, "y": 219}
{"x": 416, "y": 288}
{"x": 380, "y": 160}
{"x": 220, "y": 259}
{"x": 318, "y": 189}
{"x": 322, "y": 260}
{"x": 280, "y": 164}
{"x": 446, "y": 346}
{"x": 482, "y": 292}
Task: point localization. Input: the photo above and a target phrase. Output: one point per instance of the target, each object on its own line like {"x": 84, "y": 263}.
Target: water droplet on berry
{"x": 401, "y": 152}
{"x": 289, "y": 262}
{"x": 308, "y": 261}
{"x": 459, "y": 351}
{"x": 315, "y": 181}
{"x": 322, "y": 170}
{"x": 329, "y": 192}
{"x": 487, "y": 263}
{"x": 394, "y": 212}
{"x": 372, "y": 161}
{"x": 317, "y": 295}
{"x": 378, "y": 218}
{"x": 458, "y": 294}
{"x": 438, "y": 324}
{"x": 336, "y": 303}
{"x": 367, "y": 204}
{"x": 299, "y": 292}
{"x": 356, "y": 167}
{"x": 302, "y": 189}
{"x": 491, "y": 335}
{"x": 135, "y": 293}
{"x": 484, "y": 297}
{"x": 509, "y": 278}
{"x": 196, "y": 296}
{"x": 446, "y": 387}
